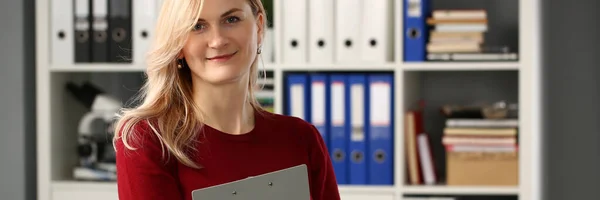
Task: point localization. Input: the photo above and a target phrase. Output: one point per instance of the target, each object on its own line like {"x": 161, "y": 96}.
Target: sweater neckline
{"x": 258, "y": 120}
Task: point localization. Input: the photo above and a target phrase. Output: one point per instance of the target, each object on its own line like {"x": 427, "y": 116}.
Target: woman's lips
{"x": 222, "y": 58}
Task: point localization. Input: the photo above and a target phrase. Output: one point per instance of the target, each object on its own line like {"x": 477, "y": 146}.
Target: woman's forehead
{"x": 216, "y": 8}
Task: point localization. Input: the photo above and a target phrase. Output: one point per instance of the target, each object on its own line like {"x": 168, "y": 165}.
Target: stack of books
{"x": 460, "y": 35}
{"x": 481, "y": 151}
{"x": 480, "y": 134}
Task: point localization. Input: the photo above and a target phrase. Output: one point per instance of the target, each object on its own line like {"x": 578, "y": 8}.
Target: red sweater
{"x": 276, "y": 142}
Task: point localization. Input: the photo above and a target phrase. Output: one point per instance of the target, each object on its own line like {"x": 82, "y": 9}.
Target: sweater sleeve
{"x": 143, "y": 174}
{"x": 323, "y": 182}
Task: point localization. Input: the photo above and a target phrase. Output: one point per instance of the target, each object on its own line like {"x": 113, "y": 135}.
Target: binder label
{"x": 297, "y": 98}
{"x": 82, "y": 13}
{"x": 380, "y": 104}
{"x": 358, "y": 134}
{"x": 358, "y": 114}
{"x": 318, "y": 103}
{"x": 414, "y": 8}
{"x": 337, "y": 103}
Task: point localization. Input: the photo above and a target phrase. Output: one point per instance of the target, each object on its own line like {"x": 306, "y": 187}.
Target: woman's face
{"x": 223, "y": 44}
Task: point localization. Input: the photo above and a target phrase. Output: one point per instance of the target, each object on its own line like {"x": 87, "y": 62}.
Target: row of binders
{"x": 101, "y": 31}
{"x": 327, "y": 31}
{"x": 354, "y": 114}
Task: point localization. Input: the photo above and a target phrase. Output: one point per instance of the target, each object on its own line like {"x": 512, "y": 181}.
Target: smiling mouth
{"x": 222, "y": 57}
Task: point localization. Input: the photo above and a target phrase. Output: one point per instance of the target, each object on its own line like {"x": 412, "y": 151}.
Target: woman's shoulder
{"x": 135, "y": 127}
{"x": 137, "y": 132}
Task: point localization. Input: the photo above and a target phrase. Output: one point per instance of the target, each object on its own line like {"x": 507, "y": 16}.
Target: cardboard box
{"x": 482, "y": 168}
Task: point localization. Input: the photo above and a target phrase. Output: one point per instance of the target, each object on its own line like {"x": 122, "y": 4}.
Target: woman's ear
{"x": 260, "y": 22}
{"x": 180, "y": 55}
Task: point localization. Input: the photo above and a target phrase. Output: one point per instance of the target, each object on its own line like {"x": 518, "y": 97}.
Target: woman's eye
{"x": 198, "y": 26}
{"x": 232, "y": 19}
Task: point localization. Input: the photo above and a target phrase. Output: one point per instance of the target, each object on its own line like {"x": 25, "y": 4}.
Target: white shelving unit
{"x": 57, "y": 116}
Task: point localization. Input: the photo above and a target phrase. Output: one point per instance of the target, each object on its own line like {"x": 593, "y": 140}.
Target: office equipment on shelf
{"x": 297, "y": 96}
{"x": 419, "y": 156}
{"x": 325, "y": 31}
{"x": 290, "y": 184}
{"x": 61, "y": 32}
{"x": 294, "y": 34}
{"x": 413, "y": 126}
{"x": 339, "y": 126}
{"x": 82, "y": 31}
{"x": 381, "y": 129}
{"x": 459, "y": 35}
{"x": 481, "y": 145}
{"x": 100, "y": 29}
{"x": 495, "y": 110}
{"x": 354, "y": 114}
{"x": 320, "y": 104}
{"x": 427, "y": 159}
{"x": 376, "y": 31}
{"x": 321, "y": 31}
{"x": 484, "y": 165}
{"x": 96, "y": 154}
{"x": 358, "y": 119}
{"x": 347, "y": 35}
{"x": 119, "y": 27}
{"x": 143, "y": 16}
{"x": 415, "y": 31}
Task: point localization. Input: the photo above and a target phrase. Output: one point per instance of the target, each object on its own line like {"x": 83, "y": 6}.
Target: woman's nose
{"x": 218, "y": 39}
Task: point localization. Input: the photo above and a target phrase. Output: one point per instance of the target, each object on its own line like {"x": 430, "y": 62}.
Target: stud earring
{"x": 259, "y": 50}
{"x": 179, "y": 63}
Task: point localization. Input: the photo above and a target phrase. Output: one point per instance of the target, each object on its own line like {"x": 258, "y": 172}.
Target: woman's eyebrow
{"x": 225, "y": 13}
{"x": 231, "y": 11}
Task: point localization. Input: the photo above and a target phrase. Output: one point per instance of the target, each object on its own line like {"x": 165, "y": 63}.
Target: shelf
{"x": 366, "y": 189}
{"x": 78, "y": 185}
{"x": 337, "y": 67}
{"x": 460, "y": 66}
{"x": 461, "y": 190}
{"x": 425, "y": 66}
{"x": 85, "y": 185}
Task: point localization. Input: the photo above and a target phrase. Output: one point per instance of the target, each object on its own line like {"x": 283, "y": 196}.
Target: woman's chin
{"x": 223, "y": 77}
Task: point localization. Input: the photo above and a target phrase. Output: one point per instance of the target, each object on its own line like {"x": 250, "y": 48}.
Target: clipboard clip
{"x": 270, "y": 185}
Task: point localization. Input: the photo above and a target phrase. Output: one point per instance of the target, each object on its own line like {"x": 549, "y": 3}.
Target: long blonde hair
{"x": 167, "y": 104}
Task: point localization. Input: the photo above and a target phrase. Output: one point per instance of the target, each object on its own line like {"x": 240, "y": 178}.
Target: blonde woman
{"x": 198, "y": 124}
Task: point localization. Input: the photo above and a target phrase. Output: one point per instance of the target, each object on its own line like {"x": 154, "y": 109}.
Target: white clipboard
{"x": 289, "y": 184}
